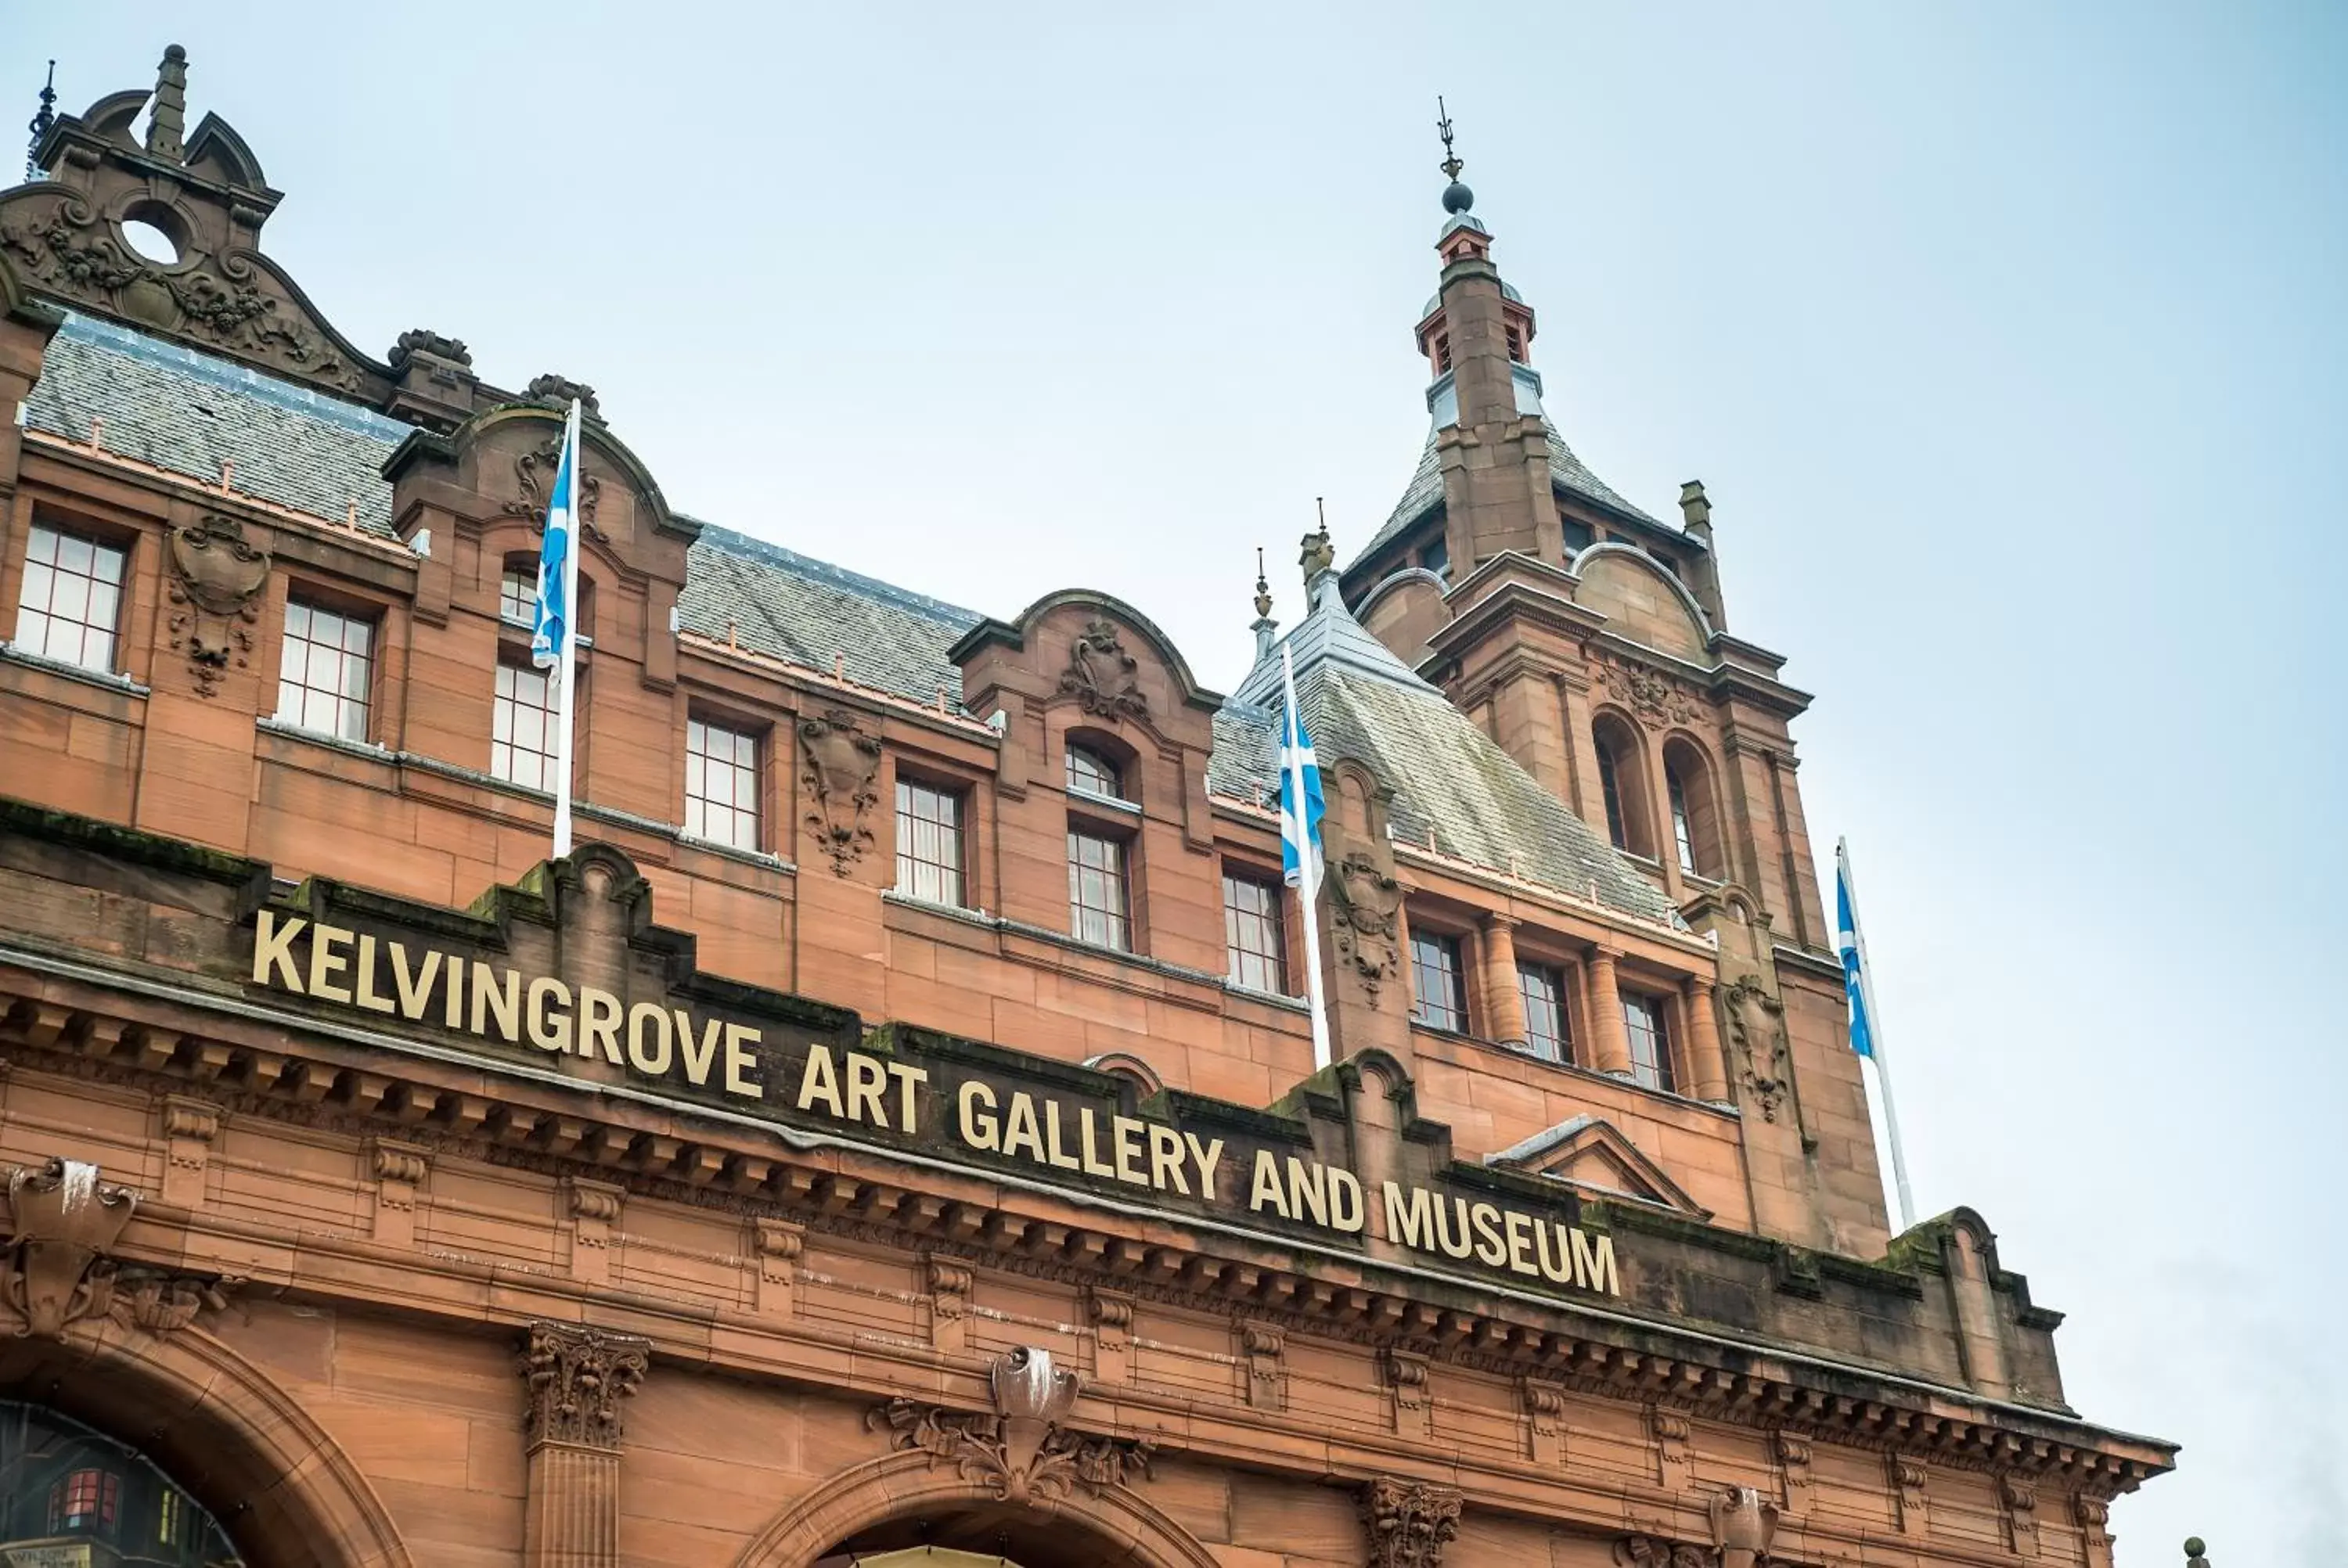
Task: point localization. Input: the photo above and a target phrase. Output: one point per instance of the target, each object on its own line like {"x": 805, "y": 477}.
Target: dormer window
{"x": 1436, "y": 558}
{"x": 1089, "y": 773}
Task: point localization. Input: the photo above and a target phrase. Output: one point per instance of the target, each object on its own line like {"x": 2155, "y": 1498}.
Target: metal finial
{"x": 1262, "y": 586}
{"x": 40, "y": 124}
{"x": 1456, "y": 198}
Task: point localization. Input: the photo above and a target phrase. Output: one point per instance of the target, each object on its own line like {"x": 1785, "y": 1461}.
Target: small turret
{"x": 1704, "y": 572}
{"x": 169, "y": 126}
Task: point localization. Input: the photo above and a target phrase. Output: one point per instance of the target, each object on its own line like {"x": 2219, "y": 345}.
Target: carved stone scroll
{"x": 215, "y": 587}
{"x": 839, "y": 762}
{"x": 1409, "y": 1522}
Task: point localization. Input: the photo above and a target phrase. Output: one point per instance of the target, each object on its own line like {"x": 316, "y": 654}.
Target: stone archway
{"x": 287, "y": 1496}
{"x": 1125, "y": 1530}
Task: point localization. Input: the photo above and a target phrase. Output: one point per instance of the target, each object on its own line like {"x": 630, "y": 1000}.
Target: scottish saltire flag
{"x": 1862, "y": 1037}
{"x": 550, "y": 636}
{"x": 1300, "y": 830}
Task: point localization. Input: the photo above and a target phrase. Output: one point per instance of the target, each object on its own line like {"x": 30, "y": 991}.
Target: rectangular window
{"x": 1578, "y": 535}
{"x": 1545, "y": 1027}
{"x": 523, "y": 727}
{"x": 721, "y": 784}
{"x": 1643, "y": 1020}
{"x": 929, "y": 844}
{"x": 1096, "y": 890}
{"x": 72, "y": 599}
{"x": 326, "y": 672}
{"x": 1439, "y": 987}
{"x": 83, "y": 1499}
{"x": 1251, "y": 933}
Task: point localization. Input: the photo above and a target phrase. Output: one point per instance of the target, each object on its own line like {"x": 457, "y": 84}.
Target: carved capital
{"x": 1019, "y": 1453}
{"x": 63, "y": 1223}
{"x": 840, "y": 759}
{"x": 1653, "y": 1552}
{"x": 1409, "y": 1522}
{"x": 574, "y": 1379}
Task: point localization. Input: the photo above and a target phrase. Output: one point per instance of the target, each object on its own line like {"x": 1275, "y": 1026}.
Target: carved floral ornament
{"x": 63, "y": 1223}
{"x": 839, "y": 760}
{"x": 1018, "y": 1453}
{"x": 574, "y": 1379}
{"x": 1102, "y": 677}
{"x": 215, "y": 590}
{"x": 534, "y": 470}
{"x": 1757, "y": 1032}
{"x": 1650, "y": 694}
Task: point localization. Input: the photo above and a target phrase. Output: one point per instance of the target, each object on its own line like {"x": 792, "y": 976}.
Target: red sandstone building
{"x": 892, "y": 1137}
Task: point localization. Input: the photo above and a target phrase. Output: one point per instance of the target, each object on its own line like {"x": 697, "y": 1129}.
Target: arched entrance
{"x": 70, "y": 1493}
{"x": 906, "y": 1502}
{"x": 222, "y": 1433}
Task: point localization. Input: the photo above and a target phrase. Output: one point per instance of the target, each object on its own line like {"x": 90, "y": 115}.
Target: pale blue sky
{"x": 2006, "y": 336}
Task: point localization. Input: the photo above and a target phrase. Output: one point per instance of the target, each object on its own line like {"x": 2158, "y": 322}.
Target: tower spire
{"x": 39, "y": 125}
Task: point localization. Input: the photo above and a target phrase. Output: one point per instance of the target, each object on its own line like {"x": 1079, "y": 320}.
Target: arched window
{"x": 1622, "y": 785}
{"x": 1094, "y": 774}
{"x": 1695, "y": 820}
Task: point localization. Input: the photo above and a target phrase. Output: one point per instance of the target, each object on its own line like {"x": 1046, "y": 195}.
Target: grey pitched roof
{"x": 787, "y": 605}
{"x": 1424, "y": 490}
{"x": 1450, "y": 778}
{"x": 185, "y": 412}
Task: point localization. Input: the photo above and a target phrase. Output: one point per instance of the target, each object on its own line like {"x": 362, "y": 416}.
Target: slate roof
{"x": 787, "y": 605}
{"x": 1450, "y": 778}
{"x": 1424, "y": 491}
{"x": 184, "y": 412}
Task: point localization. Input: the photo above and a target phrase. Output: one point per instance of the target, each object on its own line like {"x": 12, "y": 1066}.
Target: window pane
{"x": 1546, "y": 1028}
{"x": 1093, "y": 773}
{"x": 1251, "y": 933}
{"x": 1097, "y": 889}
{"x": 1651, "y": 1055}
{"x": 325, "y": 674}
{"x": 74, "y": 554}
{"x": 42, "y": 545}
{"x": 1439, "y": 994}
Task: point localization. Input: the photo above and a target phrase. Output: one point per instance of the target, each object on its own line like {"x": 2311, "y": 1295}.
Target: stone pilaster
{"x": 574, "y": 1380}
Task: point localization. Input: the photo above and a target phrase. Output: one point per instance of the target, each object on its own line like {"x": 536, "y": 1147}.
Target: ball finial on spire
{"x": 1457, "y": 197}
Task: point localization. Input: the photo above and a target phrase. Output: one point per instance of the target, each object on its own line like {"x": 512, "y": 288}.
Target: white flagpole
{"x": 1875, "y": 1038}
{"x": 566, "y": 667}
{"x": 1308, "y": 880}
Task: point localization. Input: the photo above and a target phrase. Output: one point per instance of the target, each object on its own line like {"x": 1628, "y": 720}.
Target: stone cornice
{"x": 304, "y": 1072}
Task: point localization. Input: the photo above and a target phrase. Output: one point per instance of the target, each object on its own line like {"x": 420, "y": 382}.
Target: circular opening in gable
{"x": 150, "y": 242}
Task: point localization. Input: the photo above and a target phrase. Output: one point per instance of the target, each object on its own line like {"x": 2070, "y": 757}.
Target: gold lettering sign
{"x": 970, "y": 1114}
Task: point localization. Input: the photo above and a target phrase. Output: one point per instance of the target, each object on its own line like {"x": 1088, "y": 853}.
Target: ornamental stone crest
{"x": 1019, "y": 1453}
{"x": 1757, "y": 1032}
{"x": 575, "y": 1378}
{"x": 63, "y": 1223}
{"x": 1409, "y": 1522}
{"x": 215, "y": 586}
{"x": 838, "y": 762}
{"x": 1102, "y": 676}
{"x": 1365, "y": 903}
{"x": 534, "y": 470}
{"x": 1744, "y": 1523}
